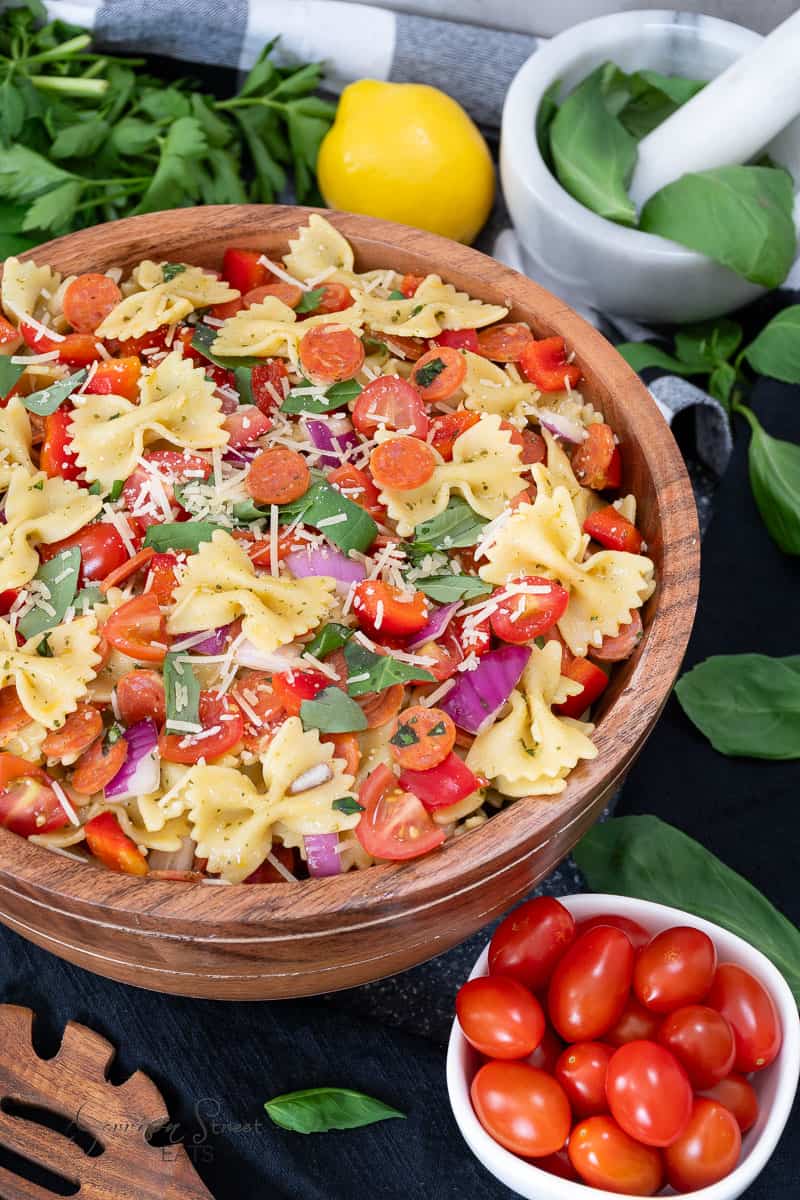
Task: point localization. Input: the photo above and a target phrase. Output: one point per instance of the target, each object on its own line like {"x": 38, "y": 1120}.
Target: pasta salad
{"x": 302, "y": 568}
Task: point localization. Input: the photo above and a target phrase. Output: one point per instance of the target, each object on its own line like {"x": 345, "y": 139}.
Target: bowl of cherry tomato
{"x": 604, "y": 1045}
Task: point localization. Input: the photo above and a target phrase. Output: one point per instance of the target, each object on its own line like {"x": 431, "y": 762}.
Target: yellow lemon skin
{"x": 409, "y": 153}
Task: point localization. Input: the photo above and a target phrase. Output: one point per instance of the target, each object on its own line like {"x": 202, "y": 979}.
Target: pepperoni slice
{"x": 98, "y": 765}
{"x": 449, "y": 426}
{"x": 534, "y": 447}
{"x": 402, "y": 464}
{"x": 88, "y": 300}
{"x": 330, "y": 355}
{"x": 615, "y": 649}
{"x": 80, "y": 729}
{"x": 504, "y": 343}
{"x": 422, "y": 738}
{"x": 13, "y": 716}
{"x": 380, "y": 707}
{"x": 278, "y": 476}
{"x": 288, "y": 293}
{"x": 439, "y": 373}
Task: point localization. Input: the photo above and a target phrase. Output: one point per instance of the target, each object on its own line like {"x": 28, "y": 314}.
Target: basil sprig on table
{"x": 644, "y": 857}
{"x": 332, "y": 711}
{"x": 319, "y": 1110}
{"x": 368, "y": 672}
{"x": 774, "y": 467}
{"x": 747, "y": 705}
{"x": 60, "y": 576}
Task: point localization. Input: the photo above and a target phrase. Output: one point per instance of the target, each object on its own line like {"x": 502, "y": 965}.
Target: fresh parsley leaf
{"x": 446, "y": 588}
{"x": 170, "y": 270}
{"x": 318, "y": 1110}
{"x": 332, "y": 711}
{"x": 60, "y": 576}
{"x": 369, "y": 672}
{"x": 179, "y": 535}
{"x": 54, "y": 209}
{"x": 321, "y": 502}
{"x": 331, "y": 637}
{"x": 335, "y": 397}
{"x": 182, "y": 692}
{"x": 457, "y": 526}
{"x": 46, "y": 401}
{"x": 171, "y": 184}
{"x": 310, "y": 300}
{"x": 424, "y": 376}
{"x": 9, "y": 374}
{"x": 81, "y": 139}
{"x": 348, "y": 805}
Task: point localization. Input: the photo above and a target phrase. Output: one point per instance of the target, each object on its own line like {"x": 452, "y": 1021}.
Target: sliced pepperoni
{"x": 13, "y": 716}
{"x": 615, "y": 649}
{"x": 330, "y": 355}
{"x": 88, "y": 300}
{"x": 278, "y": 476}
{"x": 439, "y": 373}
{"x": 98, "y": 765}
{"x": 504, "y": 343}
{"x": 289, "y": 294}
{"x": 422, "y": 738}
{"x": 80, "y": 729}
{"x": 402, "y": 464}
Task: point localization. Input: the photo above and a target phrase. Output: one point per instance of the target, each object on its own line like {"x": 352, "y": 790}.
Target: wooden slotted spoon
{"x": 109, "y": 1156}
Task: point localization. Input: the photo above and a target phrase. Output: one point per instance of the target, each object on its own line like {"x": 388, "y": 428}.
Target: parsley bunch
{"x": 88, "y": 137}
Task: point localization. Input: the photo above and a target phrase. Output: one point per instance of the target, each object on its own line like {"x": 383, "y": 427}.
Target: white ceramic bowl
{"x": 775, "y": 1086}
{"x": 586, "y": 258}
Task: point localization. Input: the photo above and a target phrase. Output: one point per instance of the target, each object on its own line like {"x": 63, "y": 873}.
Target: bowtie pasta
{"x": 302, "y": 568}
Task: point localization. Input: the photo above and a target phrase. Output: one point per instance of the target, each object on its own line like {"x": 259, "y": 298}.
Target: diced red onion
{"x": 561, "y": 426}
{"x": 478, "y": 695}
{"x": 213, "y": 644}
{"x": 324, "y": 560}
{"x": 140, "y": 774}
{"x": 323, "y": 854}
{"x": 436, "y": 624}
{"x": 336, "y": 436}
{"x": 239, "y": 455}
{"x": 173, "y": 860}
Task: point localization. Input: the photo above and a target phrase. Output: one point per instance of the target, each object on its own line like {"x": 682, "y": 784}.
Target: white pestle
{"x": 730, "y": 120}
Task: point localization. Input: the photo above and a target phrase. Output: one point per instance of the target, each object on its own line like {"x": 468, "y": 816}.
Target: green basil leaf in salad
{"x": 202, "y": 341}
{"x": 43, "y": 647}
{"x": 179, "y": 535}
{"x": 87, "y": 598}
{"x": 348, "y": 805}
{"x": 310, "y": 300}
{"x": 9, "y": 374}
{"x": 774, "y": 467}
{"x": 424, "y": 376}
{"x": 344, "y": 523}
{"x": 243, "y": 377}
{"x": 331, "y": 637}
{"x": 593, "y": 153}
{"x": 60, "y": 577}
{"x": 747, "y": 705}
{"x": 332, "y": 711}
{"x": 446, "y": 588}
{"x": 170, "y": 270}
{"x": 336, "y": 396}
{"x": 46, "y": 401}
{"x": 644, "y": 857}
{"x": 182, "y": 693}
{"x": 738, "y": 216}
{"x": 776, "y": 350}
{"x": 369, "y": 672}
{"x": 318, "y": 1110}
{"x": 457, "y": 526}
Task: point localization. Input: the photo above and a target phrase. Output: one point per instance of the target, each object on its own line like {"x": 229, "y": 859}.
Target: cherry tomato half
{"x": 28, "y": 804}
{"x": 140, "y": 694}
{"x": 707, "y": 1150}
{"x": 750, "y": 1010}
{"x": 674, "y": 969}
{"x": 521, "y": 616}
{"x": 649, "y": 1093}
{"x": 223, "y": 726}
{"x": 527, "y": 945}
{"x": 702, "y": 1041}
{"x": 606, "y": 1157}
{"x": 523, "y": 1109}
{"x": 581, "y": 1070}
{"x": 392, "y": 403}
{"x": 394, "y": 824}
{"x": 137, "y": 628}
{"x": 499, "y": 1017}
{"x": 381, "y": 612}
{"x": 102, "y": 550}
{"x": 591, "y": 984}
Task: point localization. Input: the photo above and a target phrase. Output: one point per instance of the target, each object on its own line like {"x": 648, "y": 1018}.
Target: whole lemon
{"x": 408, "y": 153}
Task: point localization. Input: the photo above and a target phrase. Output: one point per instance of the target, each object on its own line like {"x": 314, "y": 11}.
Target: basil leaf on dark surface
{"x": 46, "y": 401}
{"x": 738, "y": 216}
{"x": 747, "y": 705}
{"x": 60, "y": 576}
{"x": 444, "y": 588}
{"x": 368, "y": 672}
{"x": 457, "y": 526}
{"x": 774, "y": 467}
{"x": 332, "y": 711}
{"x": 722, "y": 382}
{"x": 347, "y": 804}
{"x": 318, "y": 1110}
{"x": 331, "y": 637}
{"x": 776, "y": 350}
{"x": 9, "y": 373}
{"x": 310, "y": 300}
{"x": 321, "y": 503}
{"x": 179, "y": 535}
{"x": 202, "y": 341}
{"x": 708, "y": 343}
{"x": 594, "y": 154}
{"x": 642, "y": 355}
{"x": 182, "y": 693}
{"x": 644, "y": 857}
{"x": 335, "y": 397}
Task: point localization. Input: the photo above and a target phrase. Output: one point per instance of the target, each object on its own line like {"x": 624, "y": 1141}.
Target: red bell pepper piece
{"x": 593, "y": 682}
{"x": 243, "y": 270}
{"x": 612, "y": 530}
{"x": 544, "y": 363}
{"x": 441, "y": 786}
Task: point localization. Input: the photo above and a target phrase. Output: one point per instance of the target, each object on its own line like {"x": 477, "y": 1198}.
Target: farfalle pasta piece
{"x": 545, "y": 538}
{"x": 272, "y": 329}
{"x": 22, "y": 287}
{"x": 50, "y": 686}
{"x": 294, "y": 757}
{"x": 220, "y": 584}
{"x": 317, "y": 248}
{"x": 488, "y": 388}
{"x": 530, "y": 751}
{"x": 559, "y": 473}
{"x": 163, "y": 302}
{"x": 15, "y": 441}
{"x": 38, "y": 510}
{"x": 486, "y": 470}
{"x": 433, "y": 307}
{"x": 177, "y": 405}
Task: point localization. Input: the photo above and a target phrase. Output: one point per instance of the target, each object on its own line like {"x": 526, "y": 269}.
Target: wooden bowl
{"x": 279, "y": 940}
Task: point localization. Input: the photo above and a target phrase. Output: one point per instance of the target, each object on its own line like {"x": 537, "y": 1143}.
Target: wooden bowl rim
{"x": 393, "y": 890}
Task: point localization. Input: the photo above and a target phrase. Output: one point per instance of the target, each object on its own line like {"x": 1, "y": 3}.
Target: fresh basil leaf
{"x": 9, "y": 374}
{"x": 653, "y": 98}
{"x": 60, "y": 576}
{"x": 594, "y": 154}
{"x": 738, "y": 216}
{"x": 46, "y": 401}
{"x": 457, "y": 526}
{"x": 170, "y": 270}
{"x": 332, "y": 711}
{"x": 179, "y": 535}
{"x": 747, "y": 705}
{"x": 182, "y": 692}
{"x": 722, "y": 382}
{"x": 545, "y": 115}
{"x": 643, "y": 355}
{"x": 87, "y": 597}
{"x": 244, "y": 511}
{"x": 774, "y": 467}
{"x": 43, "y": 647}
{"x": 396, "y": 295}
{"x": 368, "y": 672}
{"x": 446, "y": 588}
{"x": 321, "y": 502}
{"x": 644, "y": 857}
{"x": 776, "y": 350}
{"x": 335, "y": 397}
{"x": 347, "y": 804}
{"x": 405, "y": 736}
{"x": 202, "y": 340}
{"x": 318, "y": 1110}
{"x": 708, "y": 343}
{"x": 116, "y": 490}
{"x": 331, "y": 637}
{"x": 424, "y": 376}
{"x": 244, "y": 384}
{"x": 310, "y": 300}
